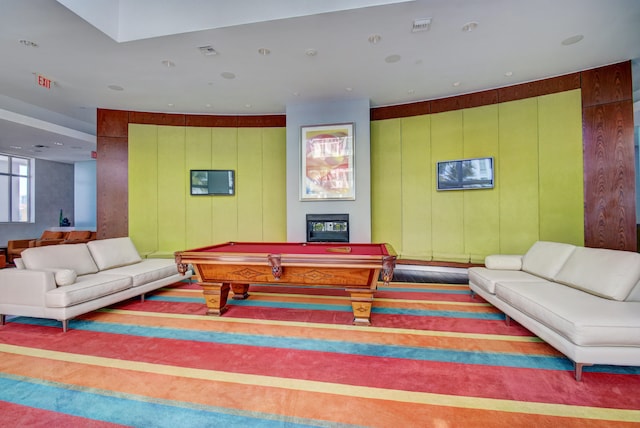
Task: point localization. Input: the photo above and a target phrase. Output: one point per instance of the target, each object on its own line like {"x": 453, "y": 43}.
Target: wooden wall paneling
{"x": 112, "y": 187}
{"x": 481, "y": 207}
{"x": 386, "y": 183}
{"x": 167, "y": 119}
{"x": 538, "y": 88}
{"x": 608, "y": 84}
{"x": 516, "y": 178}
{"x": 264, "y": 121}
{"x": 112, "y": 123}
{"x": 211, "y": 121}
{"x": 198, "y": 208}
{"x": 476, "y": 99}
{"x": 610, "y": 218}
{"x": 143, "y": 187}
{"x": 402, "y": 110}
{"x": 417, "y": 180}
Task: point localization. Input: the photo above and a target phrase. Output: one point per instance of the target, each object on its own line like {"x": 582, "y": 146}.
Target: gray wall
{"x": 54, "y": 184}
{"x": 356, "y": 112}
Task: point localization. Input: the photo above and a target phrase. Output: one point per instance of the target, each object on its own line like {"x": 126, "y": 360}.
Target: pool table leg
{"x": 240, "y": 291}
{"x": 215, "y": 294}
{"x": 361, "y": 301}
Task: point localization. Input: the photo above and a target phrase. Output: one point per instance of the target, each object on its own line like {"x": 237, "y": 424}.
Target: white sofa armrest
{"x": 503, "y": 262}
{"x": 25, "y": 287}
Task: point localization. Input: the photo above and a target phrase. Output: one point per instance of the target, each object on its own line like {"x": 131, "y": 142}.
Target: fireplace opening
{"x": 327, "y": 227}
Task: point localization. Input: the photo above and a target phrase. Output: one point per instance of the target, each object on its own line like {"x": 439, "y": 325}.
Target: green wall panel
{"x": 386, "y": 183}
{"x": 481, "y": 206}
{"x": 561, "y": 168}
{"x": 199, "y": 231}
{"x": 143, "y": 187}
{"x": 517, "y": 175}
{"x": 274, "y": 182}
{"x": 447, "y": 209}
{"x": 171, "y": 189}
{"x": 417, "y": 178}
{"x": 224, "y": 214}
{"x": 249, "y": 184}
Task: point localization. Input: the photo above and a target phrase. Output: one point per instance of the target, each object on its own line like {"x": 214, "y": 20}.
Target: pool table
{"x": 235, "y": 265}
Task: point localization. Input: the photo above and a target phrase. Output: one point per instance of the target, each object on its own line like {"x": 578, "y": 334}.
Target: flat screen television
{"x": 213, "y": 182}
{"x": 465, "y": 174}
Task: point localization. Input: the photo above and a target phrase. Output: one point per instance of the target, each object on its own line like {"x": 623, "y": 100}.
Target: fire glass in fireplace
{"x": 327, "y": 227}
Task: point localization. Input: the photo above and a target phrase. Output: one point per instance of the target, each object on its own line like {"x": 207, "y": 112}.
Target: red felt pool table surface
{"x": 356, "y": 268}
{"x": 298, "y": 248}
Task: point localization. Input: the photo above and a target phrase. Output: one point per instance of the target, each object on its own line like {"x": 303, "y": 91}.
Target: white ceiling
{"x": 127, "y": 41}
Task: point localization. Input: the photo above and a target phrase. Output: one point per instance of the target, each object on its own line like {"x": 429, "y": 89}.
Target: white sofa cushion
{"x": 69, "y": 256}
{"x": 606, "y": 273}
{"x": 582, "y": 318}
{"x": 86, "y": 288}
{"x": 113, "y": 252}
{"x": 147, "y": 270}
{"x": 487, "y": 278}
{"x": 545, "y": 258}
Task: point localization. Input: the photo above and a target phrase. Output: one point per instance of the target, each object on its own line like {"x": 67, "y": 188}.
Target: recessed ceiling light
{"x": 247, "y": 105}
{"x": 228, "y": 75}
{"x": 392, "y": 58}
{"x": 264, "y": 51}
{"x": 56, "y": 143}
{"x": 469, "y": 26}
{"x": 509, "y": 73}
{"x": 455, "y": 84}
{"x": 374, "y": 39}
{"x": 572, "y": 40}
{"x": 115, "y": 88}
{"x": 348, "y": 89}
{"x": 28, "y": 43}
{"x": 15, "y": 147}
{"x": 411, "y": 91}
{"x": 168, "y": 63}
{"x": 207, "y": 105}
{"x": 40, "y": 146}
{"x": 311, "y": 52}
{"x": 170, "y": 105}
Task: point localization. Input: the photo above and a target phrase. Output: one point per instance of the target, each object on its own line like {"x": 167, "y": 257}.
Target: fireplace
{"x": 327, "y": 227}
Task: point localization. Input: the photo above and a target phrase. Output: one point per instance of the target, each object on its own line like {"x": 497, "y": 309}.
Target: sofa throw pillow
{"x": 19, "y": 263}
{"x": 114, "y": 252}
{"x": 63, "y": 276}
{"x": 503, "y": 262}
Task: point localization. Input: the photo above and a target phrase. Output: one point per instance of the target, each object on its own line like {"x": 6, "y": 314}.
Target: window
{"x": 15, "y": 185}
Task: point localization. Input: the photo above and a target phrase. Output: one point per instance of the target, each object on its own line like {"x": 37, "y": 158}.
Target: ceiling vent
{"x": 207, "y": 50}
{"x": 421, "y": 25}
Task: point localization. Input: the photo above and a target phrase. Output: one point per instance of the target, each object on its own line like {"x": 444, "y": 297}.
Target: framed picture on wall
{"x": 327, "y": 168}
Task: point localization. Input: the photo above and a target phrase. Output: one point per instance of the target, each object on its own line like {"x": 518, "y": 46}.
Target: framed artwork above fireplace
{"x": 327, "y": 162}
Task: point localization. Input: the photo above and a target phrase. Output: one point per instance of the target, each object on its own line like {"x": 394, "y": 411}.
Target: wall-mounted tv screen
{"x": 213, "y": 182}
{"x": 465, "y": 174}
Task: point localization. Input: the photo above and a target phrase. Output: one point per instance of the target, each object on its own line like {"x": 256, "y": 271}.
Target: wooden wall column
{"x": 609, "y": 159}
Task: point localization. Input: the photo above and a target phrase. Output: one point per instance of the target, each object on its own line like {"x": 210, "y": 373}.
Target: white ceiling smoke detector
{"x": 423, "y": 24}
{"x": 207, "y": 50}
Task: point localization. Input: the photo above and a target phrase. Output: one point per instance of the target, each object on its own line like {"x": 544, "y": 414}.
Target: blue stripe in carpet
{"x": 130, "y": 409}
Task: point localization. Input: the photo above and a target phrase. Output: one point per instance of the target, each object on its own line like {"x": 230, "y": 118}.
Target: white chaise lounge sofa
{"x": 63, "y": 281}
{"x": 585, "y": 302}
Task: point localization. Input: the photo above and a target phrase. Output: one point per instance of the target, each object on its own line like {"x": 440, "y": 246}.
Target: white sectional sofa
{"x": 64, "y": 281}
{"x": 585, "y": 302}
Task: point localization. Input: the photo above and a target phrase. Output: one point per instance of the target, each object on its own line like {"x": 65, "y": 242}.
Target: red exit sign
{"x": 43, "y": 81}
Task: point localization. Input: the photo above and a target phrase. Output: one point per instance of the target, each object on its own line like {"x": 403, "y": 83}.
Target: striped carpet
{"x": 288, "y": 356}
